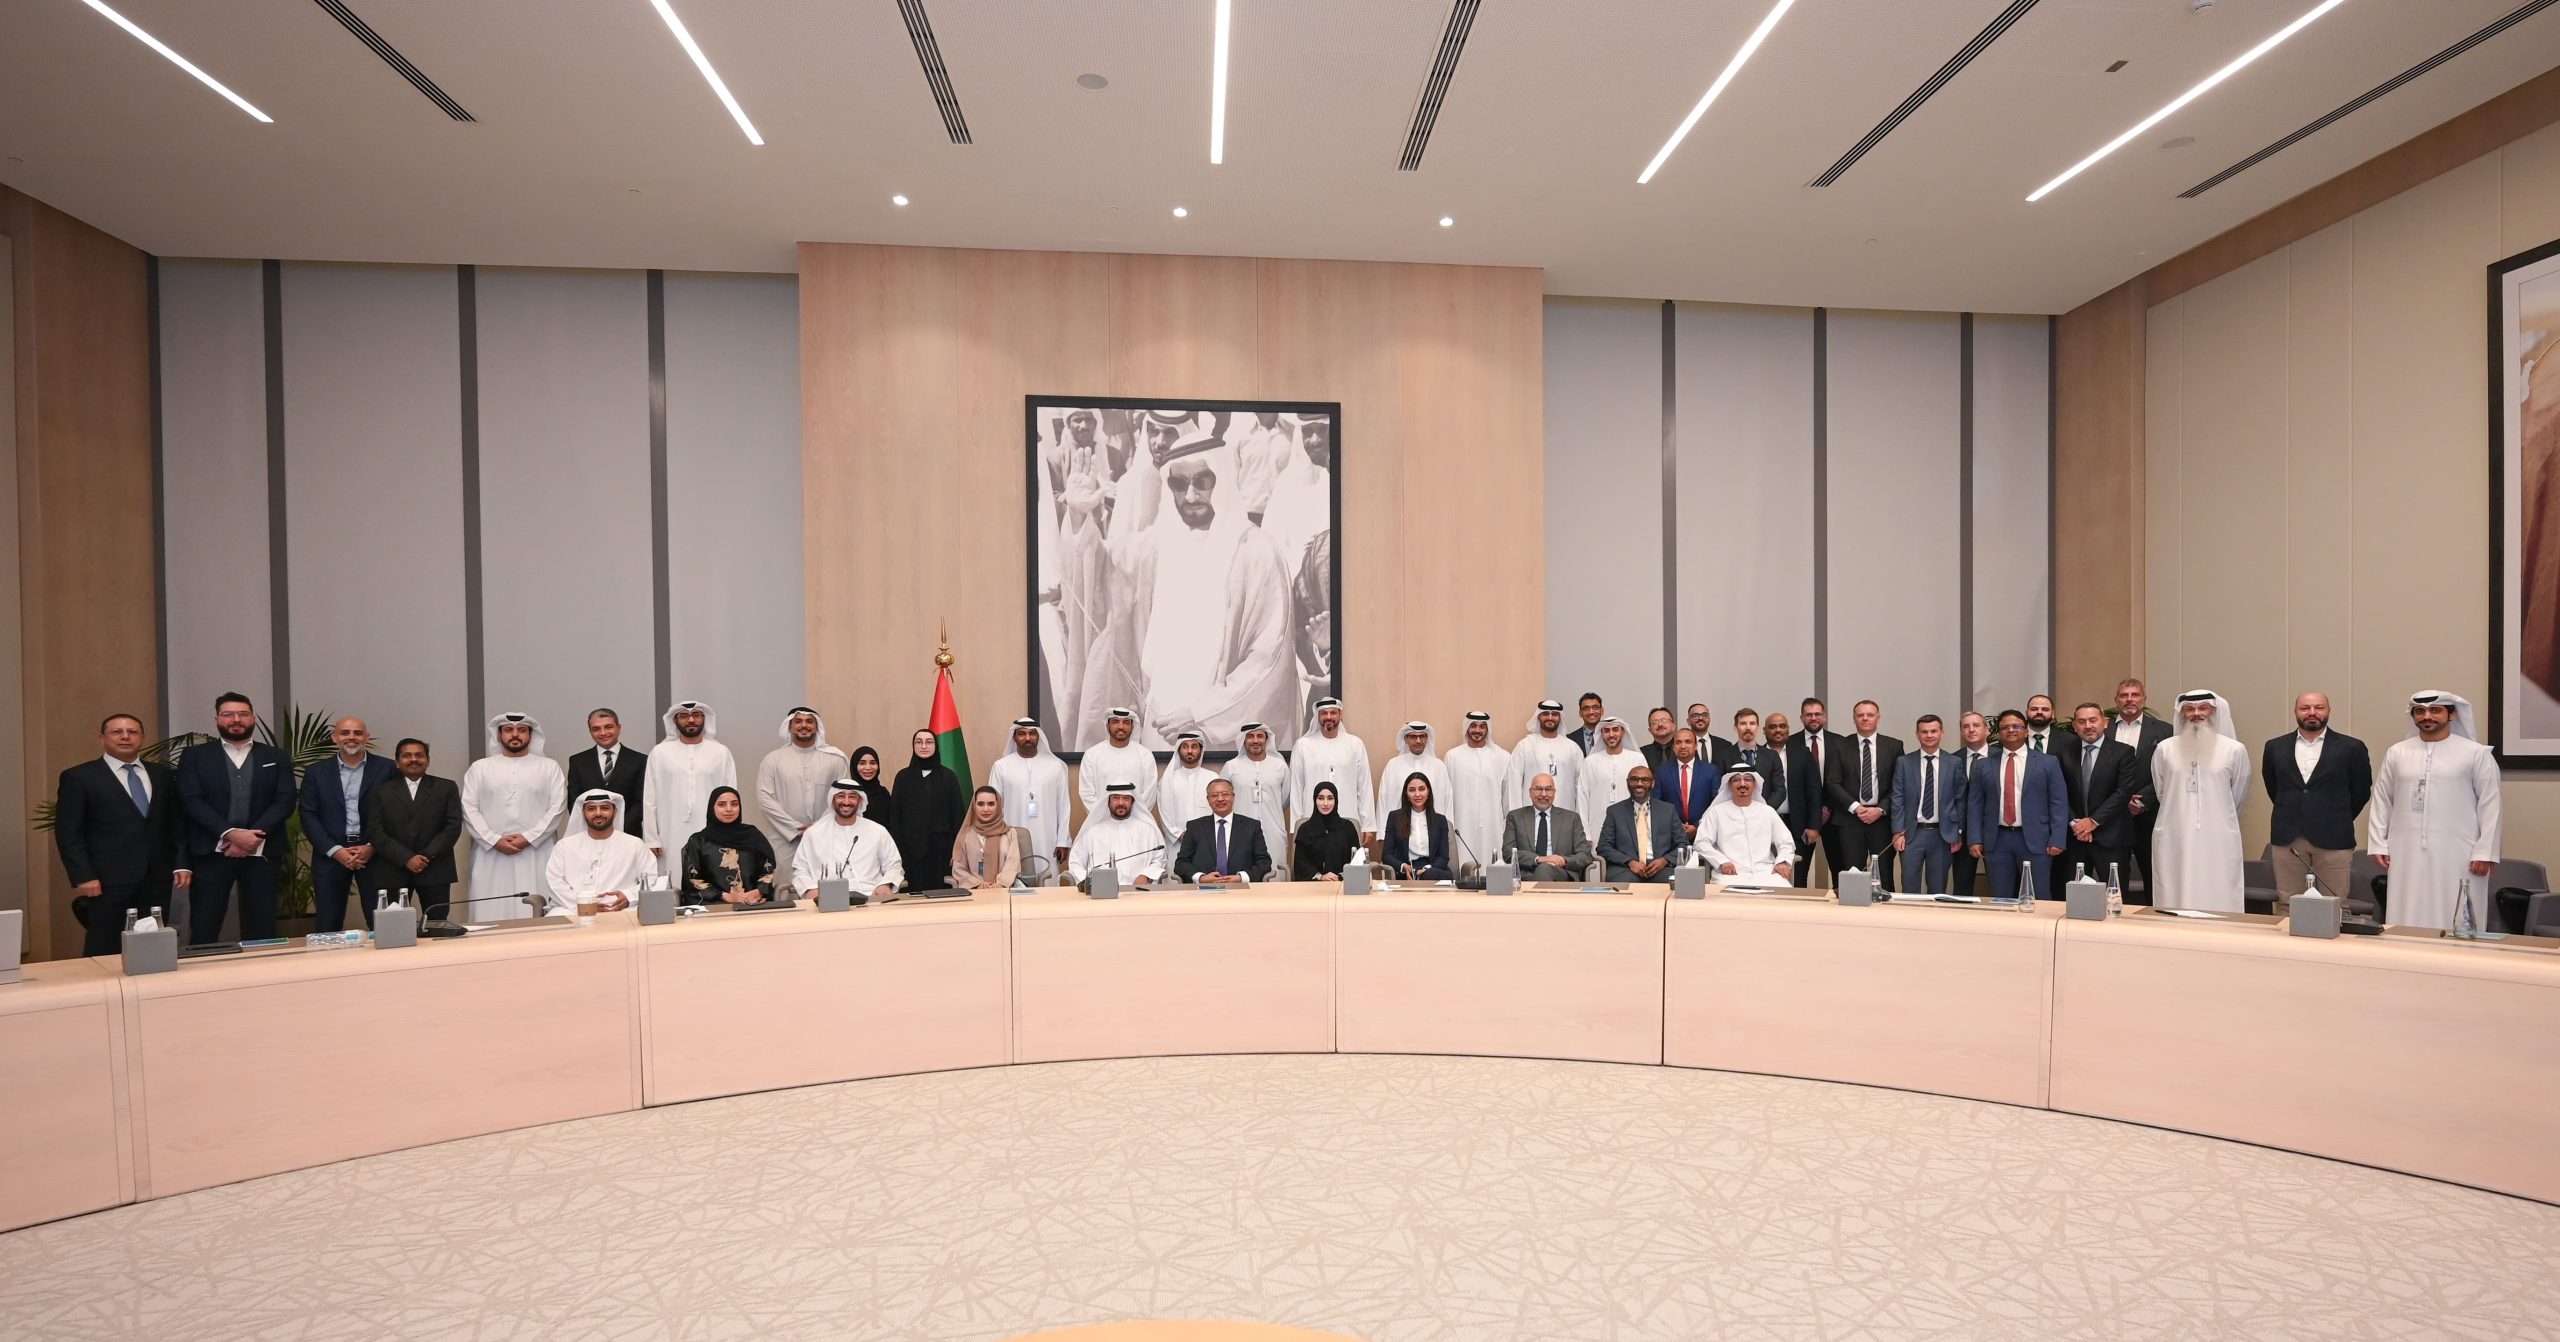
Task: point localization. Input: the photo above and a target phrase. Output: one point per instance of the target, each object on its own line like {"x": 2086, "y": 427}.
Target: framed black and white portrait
{"x": 2524, "y": 507}
{"x": 1185, "y": 565}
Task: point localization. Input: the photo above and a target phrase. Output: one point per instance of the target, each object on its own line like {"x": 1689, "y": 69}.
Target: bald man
{"x": 337, "y": 814}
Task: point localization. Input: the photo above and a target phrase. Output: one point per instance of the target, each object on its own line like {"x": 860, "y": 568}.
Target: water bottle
{"x": 2027, "y": 884}
{"x": 381, "y": 900}
{"x": 2465, "y": 924}
{"x": 2115, "y": 890}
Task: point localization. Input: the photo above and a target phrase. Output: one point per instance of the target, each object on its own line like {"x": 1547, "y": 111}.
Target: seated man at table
{"x": 603, "y": 863}
{"x": 1222, "y": 847}
{"x": 1120, "y": 839}
{"x": 1545, "y": 839}
{"x": 1639, "y": 832}
{"x": 848, "y": 846}
{"x": 1742, "y": 838}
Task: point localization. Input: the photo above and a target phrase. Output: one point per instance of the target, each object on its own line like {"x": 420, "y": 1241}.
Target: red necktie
{"x": 2009, "y": 791}
{"x": 1684, "y": 789}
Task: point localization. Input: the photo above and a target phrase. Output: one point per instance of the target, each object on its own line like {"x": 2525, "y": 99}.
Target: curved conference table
{"x": 2408, "y": 1053}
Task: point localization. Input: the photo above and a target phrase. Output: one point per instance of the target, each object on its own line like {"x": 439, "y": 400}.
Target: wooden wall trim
{"x": 2098, "y": 515}
{"x": 2512, "y": 115}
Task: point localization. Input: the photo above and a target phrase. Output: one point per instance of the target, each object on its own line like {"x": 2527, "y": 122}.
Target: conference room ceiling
{"x": 594, "y": 141}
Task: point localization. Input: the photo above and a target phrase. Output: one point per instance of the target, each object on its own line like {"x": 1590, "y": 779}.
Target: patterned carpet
{"x": 1381, "y": 1197}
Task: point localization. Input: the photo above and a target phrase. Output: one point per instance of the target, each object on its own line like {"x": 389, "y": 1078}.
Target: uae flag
{"x": 945, "y": 726}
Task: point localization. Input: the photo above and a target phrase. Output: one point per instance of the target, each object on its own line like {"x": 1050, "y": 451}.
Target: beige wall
{"x": 2314, "y": 432}
{"x": 914, "y": 365}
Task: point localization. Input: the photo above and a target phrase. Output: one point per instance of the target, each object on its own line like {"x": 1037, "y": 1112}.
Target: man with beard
{"x": 1033, "y": 782}
{"x": 850, "y": 847}
{"x": 683, "y": 771}
{"x": 2437, "y": 805}
{"x": 237, "y": 792}
{"x": 2135, "y": 727}
{"x": 1741, "y": 838}
{"x": 596, "y": 859}
{"x": 1416, "y": 757}
{"x": 1794, "y": 792}
{"x": 1479, "y": 772}
{"x": 1334, "y": 756}
{"x": 512, "y": 798}
{"x": 792, "y": 783}
{"x": 1712, "y": 748}
{"x": 1605, "y": 773}
{"x": 1118, "y": 838}
{"x": 1546, "y": 750}
{"x": 1262, "y": 781}
{"x": 1182, "y": 793}
{"x": 1658, "y": 727}
{"x": 1823, "y": 745}
{"x": 1119, "y": 760}
{"x": 2319, "y": 781}
{"x": 2041, "y": 737}
{"x": 2201, "y": 776}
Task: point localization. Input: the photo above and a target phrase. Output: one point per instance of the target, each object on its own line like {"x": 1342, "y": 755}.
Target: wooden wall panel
{"x": 914, "y": 365}
{"x": 2098, "y": 494}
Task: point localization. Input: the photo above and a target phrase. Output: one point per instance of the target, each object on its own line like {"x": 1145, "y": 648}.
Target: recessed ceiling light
{"x": 898, "y": 200}
{"x": 2189, "y": 96}
{"x": 1181, "y": 213}
{"x": 1092, "y": 81}
{"x": 1218, "y": 90}
{"x": 1446, "y": 221}
{"x": 703, "y": 63}
{"x": 181, "y": 62}
{"x": 1732, "y": 68}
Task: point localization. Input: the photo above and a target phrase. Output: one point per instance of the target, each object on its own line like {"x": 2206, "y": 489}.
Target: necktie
{"x": 1543, "y": 845}
{"x": 1644, "y": 831}
{"x": 1222, "y": 845}
{"x": 2037, "y": 744}
{"x": 2009, "y": 790}
{"x": 1928, "y": 788}
{"x": 133, "y": 784}
{"x": 1866, "y": 768}
{"x": 604, "y": 763}
{"x": 2088, "y": 764}
{"x": 1684, "y": 789}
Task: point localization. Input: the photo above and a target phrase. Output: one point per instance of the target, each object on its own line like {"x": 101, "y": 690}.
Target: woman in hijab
{"x": 1325, "y": 841}
{"x": 985, "y": 854}
{"x": 727, "y": 861}
{"x": 926, "y": 807}
{"x": 875, "y": 797}
{"x": 1417, "y": 843}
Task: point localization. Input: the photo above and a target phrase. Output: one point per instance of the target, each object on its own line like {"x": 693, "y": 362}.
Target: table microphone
{"x": 1087, "y": 882}
{"x": 1475, "y": 882}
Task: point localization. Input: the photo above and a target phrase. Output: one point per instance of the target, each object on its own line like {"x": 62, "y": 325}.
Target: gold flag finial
{"x": 943, "y": 658}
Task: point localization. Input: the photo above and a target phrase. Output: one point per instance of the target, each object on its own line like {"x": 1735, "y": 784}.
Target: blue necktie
{"x": 133, "y": 784}
{"x": 1222, "y": 845}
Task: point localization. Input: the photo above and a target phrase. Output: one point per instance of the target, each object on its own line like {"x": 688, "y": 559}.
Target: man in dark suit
{"x": 1823, "y": 744}
{"x": 1973, "y": 736}
{"x": 2018, "y": 813}
{"x": 1687, "y": 783}
{"x": 1859, "y": 780}
{"x": 2098, "y": 774}
{"x": 1586, "y": 737}
{"x": 1712, "y": 748}
{"x": 2134, "y": 726}
{"x": 1222, "y": 848}
{"x": 2319, "y": 781}
{"x": 1928, "y": 809}
{"x": 611, "y": 765}
{"x": 238, "y": 792}
{"x": 417, "y": 820}
{"x": 116, "y": 824}
{"x": 1659, "y": 728}
{"x": 1545, "y": 839}
{"x": 337, "y": 818}
{"x": 1638, "y": 833}
{"x": 1794, "y": 788}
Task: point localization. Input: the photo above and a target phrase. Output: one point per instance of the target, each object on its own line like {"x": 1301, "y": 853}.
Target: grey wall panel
{"x": 733, "y": 485}
{"x": 1603, "y": 508}
{"x": 1896, "y": 556}
{"x": 1745, "y": 384}
{"x": 564, "y": 497}
{"x": 213, "y": 369}
{"x": 2011, "y": 618}
{"x": 373, "y": 483}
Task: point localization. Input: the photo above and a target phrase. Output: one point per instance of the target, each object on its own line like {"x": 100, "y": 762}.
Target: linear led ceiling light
{"x": 1732, "y": 68}
{"x": 2189, "y": 96}
{"x": 703, "y": 63}
{"x": 179, "y": 61}
{"x": 1218, "y": 89}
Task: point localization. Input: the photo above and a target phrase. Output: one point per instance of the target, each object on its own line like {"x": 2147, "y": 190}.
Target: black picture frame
{"x": 2505, "y": 736}
{"x": 1035, "y": 494}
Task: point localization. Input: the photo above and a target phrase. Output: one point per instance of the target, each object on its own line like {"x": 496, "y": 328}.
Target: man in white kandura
{"x": 848, "y": 846}
{"x": 2201, "y": 776}
{"x": 511, "y": 802}
{"x": 1119, "y": 761}
{"x": 1604, "y": 772}
{"x": 791, "y": 784}
{"x": 684, "y": 768}
{"x": 1416, "y": 757}
{"x": 597, "y": 859}
{"x": 1331, "y": 755}
{"x": 1033, "y": 782}
{"x": 1546, "y": 750}
{"x": 1479, "y": 778}
{"x": 1741, "y": 838}
{"x": 1262, "y": 784}
{"x": 1120, "y": 837}
{"x": 1182, "y": 794}
{"x": 2434, "y": 825}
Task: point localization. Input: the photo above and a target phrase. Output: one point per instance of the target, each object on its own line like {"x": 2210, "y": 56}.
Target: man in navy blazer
{"x": 2019, "y": 812}
{"x": 1928, "y": 809}
{"x": 1700, "y": 777}
{"x": 115, "y": 823}
{"x": 1618, "y": 847}
{"x": 2319, "y": 781}
{"x": 1795, "y": 788}
{"x": 238, "y": 792}
{"x": 1247, "y": 857}
{"x": 337, "y": 818}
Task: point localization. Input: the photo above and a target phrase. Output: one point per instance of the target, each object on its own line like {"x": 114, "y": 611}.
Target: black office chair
{"x": 2258, "y": 891}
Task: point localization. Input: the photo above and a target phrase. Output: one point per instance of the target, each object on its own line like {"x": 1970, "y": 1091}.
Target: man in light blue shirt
{"x": 337, "y": 812}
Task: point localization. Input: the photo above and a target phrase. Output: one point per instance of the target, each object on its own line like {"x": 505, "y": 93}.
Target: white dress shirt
{"x": 2306, "y": 751}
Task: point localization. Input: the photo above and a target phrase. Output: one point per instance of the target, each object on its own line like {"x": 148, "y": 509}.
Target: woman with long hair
{"x": 1417, "y": 844}
{"x": 1325, "y": 840}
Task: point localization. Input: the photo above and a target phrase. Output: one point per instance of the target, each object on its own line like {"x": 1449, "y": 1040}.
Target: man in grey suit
{"x": 1546, "y": 838}
{"x": 1637, "y": 835}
